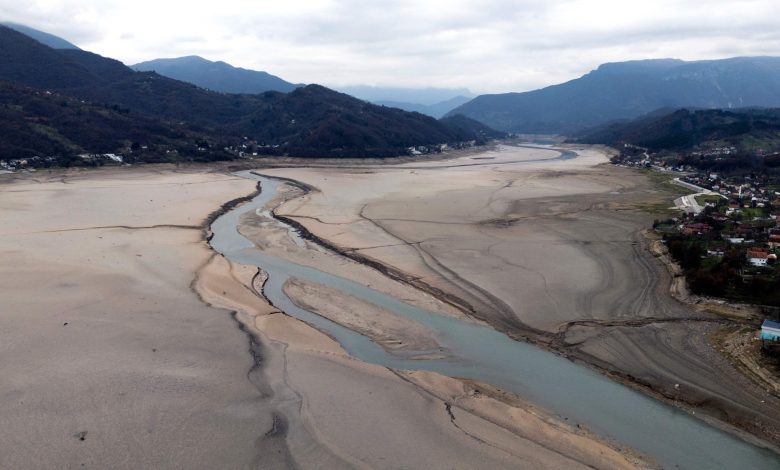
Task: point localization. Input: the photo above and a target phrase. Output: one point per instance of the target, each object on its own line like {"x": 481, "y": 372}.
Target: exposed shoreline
{"x": 730, "y": 313}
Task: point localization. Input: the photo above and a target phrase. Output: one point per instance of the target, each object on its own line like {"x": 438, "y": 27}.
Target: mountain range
{"x": 425, "y": 96}
{"x": 217, "y": 76}
{"x": 627, "y": 90}
{"x": 435, "y": 102}
{"x": 308, "y": 121}
{"x": 222, "y": 77}
{"x": 191, "y": 99}
{"x": 436, "y": 110}
{"x": 225, "y": 78}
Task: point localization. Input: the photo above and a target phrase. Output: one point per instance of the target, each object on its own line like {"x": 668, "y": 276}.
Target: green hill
{"x": 310, "y": 121}
{"x": 44, "y": 124}
{"x": 746, "y": 130}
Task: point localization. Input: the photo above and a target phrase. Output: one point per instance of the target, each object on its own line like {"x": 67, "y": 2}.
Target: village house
{"x": 774, "y": 238}
{"x": 733, "y": 207}
{"x": 757, "y": 256}
{"x": 695, "y": 229}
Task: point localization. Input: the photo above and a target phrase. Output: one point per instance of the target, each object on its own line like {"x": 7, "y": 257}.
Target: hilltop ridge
{"x": 626, "y": 90}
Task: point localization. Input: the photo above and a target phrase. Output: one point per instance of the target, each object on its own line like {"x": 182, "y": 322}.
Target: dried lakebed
{"x": 666, "y": 434}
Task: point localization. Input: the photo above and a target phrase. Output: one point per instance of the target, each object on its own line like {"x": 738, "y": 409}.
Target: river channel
{"x": 668, "y": 435}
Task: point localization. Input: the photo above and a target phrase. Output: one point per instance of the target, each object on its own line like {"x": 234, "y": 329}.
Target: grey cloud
{"x": 488, "y": 45}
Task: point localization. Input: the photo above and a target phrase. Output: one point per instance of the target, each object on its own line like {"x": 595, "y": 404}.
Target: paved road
{"x": 688, "y": 203}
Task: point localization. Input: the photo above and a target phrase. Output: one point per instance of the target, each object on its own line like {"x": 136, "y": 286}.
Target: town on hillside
{"x": 726, "y": 234}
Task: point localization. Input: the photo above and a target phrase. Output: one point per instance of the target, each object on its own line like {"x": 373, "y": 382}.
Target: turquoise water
{"x": 666, "y": 434}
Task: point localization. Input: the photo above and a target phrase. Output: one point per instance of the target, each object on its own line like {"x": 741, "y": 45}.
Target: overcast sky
{"x": 486, "y": 45}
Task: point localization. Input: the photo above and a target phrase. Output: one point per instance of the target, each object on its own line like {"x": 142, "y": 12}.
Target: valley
{"x": 549, "y": 251}
{"x": 207, "y": 265}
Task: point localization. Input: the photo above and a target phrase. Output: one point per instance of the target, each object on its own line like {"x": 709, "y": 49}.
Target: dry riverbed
{"x": 548, "y": 250}
{"x": 128, "y": 343}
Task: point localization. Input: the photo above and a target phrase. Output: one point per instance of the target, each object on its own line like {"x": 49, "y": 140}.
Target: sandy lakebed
{"x": 128, "y": 343}
{"x": 549, "y": 251}
{"x": 121, "y": 348}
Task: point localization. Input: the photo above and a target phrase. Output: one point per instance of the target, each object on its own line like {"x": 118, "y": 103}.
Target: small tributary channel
{"x": 625, "y": 416}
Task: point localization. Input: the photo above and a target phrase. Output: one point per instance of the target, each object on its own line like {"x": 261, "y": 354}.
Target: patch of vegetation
{"x": 705, "y": 198}
{"x": 665, "y": 182}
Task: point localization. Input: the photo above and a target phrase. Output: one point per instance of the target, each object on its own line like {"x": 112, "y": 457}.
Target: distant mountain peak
{"x": 436, "y": 110}
{"x": 626, "y": 90}
{"x": 635, "y": 66}
{"x": 47, "y": 39}
{"x": 218, "y": 76}
{"x": 187, "y": 58}
{"x": 426, "y": 96}
{"x": 434, "y": 102}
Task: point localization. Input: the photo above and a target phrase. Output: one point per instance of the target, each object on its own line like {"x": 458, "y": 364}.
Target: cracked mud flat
{"x": 551, "y": 252}
{"x": 111, "y": 358}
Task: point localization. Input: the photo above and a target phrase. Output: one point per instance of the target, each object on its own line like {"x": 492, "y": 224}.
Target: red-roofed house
{"x": 757, "y": 256}
{"x": 691, "y": 229}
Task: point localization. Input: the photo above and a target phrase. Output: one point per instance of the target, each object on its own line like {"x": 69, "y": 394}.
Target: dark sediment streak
{"x": 273, "y": 450}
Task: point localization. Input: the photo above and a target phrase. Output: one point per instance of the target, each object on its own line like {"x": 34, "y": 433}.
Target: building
{"x": 695, "y": 229}
{"x": 774, "y": 238}
{"x": 770, "y": 330}
{"x": 757, "y": 256}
